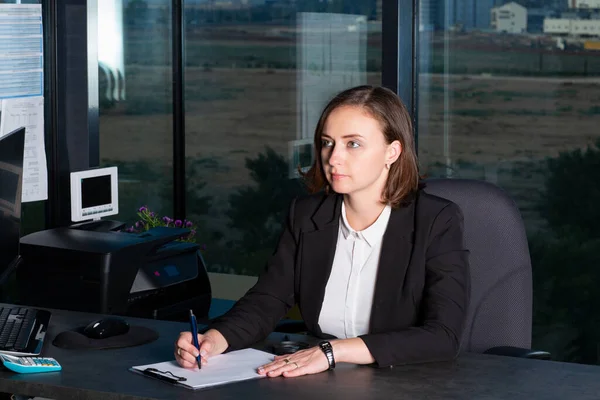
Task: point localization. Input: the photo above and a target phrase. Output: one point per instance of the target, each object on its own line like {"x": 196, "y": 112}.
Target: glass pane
{"x": 508, "y": 97}
{"x": 135, "y": 75}
{"x": 257, "y": 75}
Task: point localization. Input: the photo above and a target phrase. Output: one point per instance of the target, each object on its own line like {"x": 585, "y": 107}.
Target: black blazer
{"x": 421, "y": 291}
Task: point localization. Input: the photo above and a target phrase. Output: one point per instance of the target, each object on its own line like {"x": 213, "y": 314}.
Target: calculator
{"x": 26, "y": 365}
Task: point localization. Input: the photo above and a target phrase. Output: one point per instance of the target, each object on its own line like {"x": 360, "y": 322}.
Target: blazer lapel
{"x": 318, "y": 251}
{"x": 396, "y": 250}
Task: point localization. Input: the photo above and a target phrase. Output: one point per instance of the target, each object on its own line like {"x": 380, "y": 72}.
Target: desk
{"x": 103, "y": 374}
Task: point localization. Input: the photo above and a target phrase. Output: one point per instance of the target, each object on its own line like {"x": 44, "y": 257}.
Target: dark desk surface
{"x": 103, "y": 374}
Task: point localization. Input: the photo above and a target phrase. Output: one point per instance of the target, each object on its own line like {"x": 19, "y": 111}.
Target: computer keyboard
{"x": 22, "y": 330}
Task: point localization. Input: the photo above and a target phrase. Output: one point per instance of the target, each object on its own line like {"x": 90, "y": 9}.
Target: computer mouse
{"x": 288, "y": 347}
{"x": 106, "y": 327}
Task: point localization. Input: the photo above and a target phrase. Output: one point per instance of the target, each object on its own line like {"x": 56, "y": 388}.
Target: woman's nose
{"x": 336, "y": 156}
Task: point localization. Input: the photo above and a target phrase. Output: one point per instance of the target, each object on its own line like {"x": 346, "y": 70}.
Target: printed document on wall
{"x": 21, "y": 50}
{"x": 28, "y": 112}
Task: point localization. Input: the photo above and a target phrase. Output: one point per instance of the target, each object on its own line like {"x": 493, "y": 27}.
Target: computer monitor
{"x": 94, "y": 194}
{"x": 12, "y": 149}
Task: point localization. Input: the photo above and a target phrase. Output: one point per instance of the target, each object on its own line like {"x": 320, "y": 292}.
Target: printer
{"x": 148, "y": 274}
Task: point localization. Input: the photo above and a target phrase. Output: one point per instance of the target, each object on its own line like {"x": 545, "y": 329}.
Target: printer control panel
{"x": 165, "y": 272}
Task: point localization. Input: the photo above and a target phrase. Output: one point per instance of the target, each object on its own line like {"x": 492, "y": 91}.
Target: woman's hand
{"x": 211, "y": 344}
{"x": 303, "y": 362}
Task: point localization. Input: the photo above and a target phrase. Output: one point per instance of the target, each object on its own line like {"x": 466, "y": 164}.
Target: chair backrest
{"x": 501, "y": 288}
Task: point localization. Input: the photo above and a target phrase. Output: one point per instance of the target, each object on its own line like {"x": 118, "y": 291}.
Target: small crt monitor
{"x": 94, "y": 194}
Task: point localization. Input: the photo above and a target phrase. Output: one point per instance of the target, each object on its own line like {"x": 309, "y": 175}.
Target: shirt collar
{"x": 373, "y": 233}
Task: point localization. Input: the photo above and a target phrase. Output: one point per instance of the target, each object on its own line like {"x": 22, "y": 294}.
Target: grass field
{"x": 282, "y": 54}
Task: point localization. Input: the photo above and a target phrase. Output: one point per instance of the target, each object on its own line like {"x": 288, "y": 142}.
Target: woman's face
{"x": 354, "y": 152}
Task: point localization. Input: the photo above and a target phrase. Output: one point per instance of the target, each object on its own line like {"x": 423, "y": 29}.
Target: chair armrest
{"x": 290, "y": 326}
{"x": 511, "y": 351}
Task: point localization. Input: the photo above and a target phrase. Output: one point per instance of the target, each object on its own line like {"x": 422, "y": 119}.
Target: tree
{"x": 565, "y": 259}
{"x": 258, "y": 210}
{"x": 572, "y": 194}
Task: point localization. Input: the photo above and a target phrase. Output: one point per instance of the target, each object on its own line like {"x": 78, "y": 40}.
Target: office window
{"x": 521, "y": 112}
{"x": 257, "y": 75}
{"x": 135, "y": 94}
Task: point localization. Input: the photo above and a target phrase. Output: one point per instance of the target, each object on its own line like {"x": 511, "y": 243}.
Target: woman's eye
{"x": 353, "y": 144}
{"x": 326, "y": 143}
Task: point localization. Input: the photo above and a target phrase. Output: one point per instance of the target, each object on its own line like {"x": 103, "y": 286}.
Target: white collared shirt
{"x": 346, "y": 310}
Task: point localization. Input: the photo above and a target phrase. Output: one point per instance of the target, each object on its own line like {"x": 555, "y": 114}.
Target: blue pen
{"x": 195, "y": 337}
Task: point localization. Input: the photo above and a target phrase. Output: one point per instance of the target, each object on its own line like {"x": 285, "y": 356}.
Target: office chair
{"x": 500, "y": 311}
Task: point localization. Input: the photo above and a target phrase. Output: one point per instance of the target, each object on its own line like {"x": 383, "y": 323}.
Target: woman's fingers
{"x": 310, "y": 361}
{"x": 278, "y": 367}
{"x": 185, "y": 351}
{"x": 298, "y": 370}
{"x": 206, "y": 347}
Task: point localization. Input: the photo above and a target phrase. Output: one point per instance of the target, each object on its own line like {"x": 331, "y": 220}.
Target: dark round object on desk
{"x": 106, "y": 327}
{"x": 288, "y": 347}
{"x": 76, "y": 339}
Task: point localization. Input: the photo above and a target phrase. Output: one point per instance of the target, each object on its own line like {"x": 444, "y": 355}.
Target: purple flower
{"x": 130, "y": 229}
{"x": 152, "y": 214}
{"x": 193, "y": 232}
{"x": 188, "y": 224}
{"x": 143, "y": 209}
{"x": 167, "y": 220}
{"x": 178, "y": 223}
{"x": 138, "y": 224}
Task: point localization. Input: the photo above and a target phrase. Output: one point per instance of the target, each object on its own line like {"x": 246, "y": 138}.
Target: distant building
{"x": 584, "y": 3}
{"x": 572, "y": 27}
{"x": 470, "y": 14}
{"x": 509, "y": 18}
{"x": 536, "y": 17}
{"x": 557, "y": 26}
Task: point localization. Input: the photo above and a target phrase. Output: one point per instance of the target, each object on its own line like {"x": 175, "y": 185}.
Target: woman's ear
{"x": 393, "y": 152}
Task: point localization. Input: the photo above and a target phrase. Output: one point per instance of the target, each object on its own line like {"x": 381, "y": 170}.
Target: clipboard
{"x": 223, "y": 369}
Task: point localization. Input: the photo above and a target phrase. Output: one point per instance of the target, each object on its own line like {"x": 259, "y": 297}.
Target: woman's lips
{"x": 337, "y": 177}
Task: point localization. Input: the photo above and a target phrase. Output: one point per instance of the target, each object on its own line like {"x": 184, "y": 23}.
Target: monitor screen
{"x": 94, "y": 194}
{"x": 10, "y": 184}
{"x": 95, "y": 191}
{"x": 11, "y": 180}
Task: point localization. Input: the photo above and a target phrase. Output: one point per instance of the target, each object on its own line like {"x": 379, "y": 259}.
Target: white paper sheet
{"x": 29, "y": 112}
{"x": 236, "y": 366}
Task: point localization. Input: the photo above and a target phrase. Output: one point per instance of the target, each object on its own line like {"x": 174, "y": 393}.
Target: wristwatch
{"x": 328, "y": 350}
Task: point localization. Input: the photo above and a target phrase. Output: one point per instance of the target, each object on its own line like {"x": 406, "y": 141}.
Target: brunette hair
{"x": 387, "y": 108}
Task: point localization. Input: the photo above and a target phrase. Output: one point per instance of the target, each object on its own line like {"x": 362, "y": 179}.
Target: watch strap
{"x": 328, "y": 350}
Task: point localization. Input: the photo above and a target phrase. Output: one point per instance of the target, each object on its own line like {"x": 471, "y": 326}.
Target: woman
{"x": 372, "y": 261}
